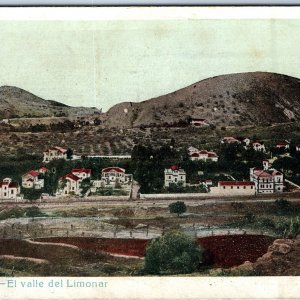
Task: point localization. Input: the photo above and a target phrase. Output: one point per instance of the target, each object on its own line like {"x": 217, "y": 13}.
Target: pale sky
{"x": 101, "y": 63}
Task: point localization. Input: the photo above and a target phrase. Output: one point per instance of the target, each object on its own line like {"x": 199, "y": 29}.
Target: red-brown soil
{"x": 233, "y": 250}
{"x": 220, "y": 251}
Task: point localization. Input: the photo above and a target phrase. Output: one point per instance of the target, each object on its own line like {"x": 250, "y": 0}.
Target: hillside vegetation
{"x": 256, "y": 98}
{"x": 18, "y": 103}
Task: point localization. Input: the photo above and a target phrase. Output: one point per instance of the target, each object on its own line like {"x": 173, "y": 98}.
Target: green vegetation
{"x": 85, "y": 186}
{"x": 173, "y": 253}
{"x": 178, "y": 208}
{"x": 31, "y": 194}
{"x": 110, "y": 191}
{"x": 18, "y": 212}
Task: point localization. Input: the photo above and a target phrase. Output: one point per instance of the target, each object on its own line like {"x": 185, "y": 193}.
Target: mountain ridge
{"x": 224, "y": 100}
{"x": 17, "y": 103}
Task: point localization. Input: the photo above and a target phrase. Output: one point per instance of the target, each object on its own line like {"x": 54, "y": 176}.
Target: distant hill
{"x": 255, "y": 98}
{"x": 16, "y": 103}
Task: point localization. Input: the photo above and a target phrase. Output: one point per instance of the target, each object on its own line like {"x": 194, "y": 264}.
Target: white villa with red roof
{"x": 115, "y": 174}
{"x": 204, "y": 155}
{"x": 69, "y": 184}
{"x": 82, "y": 173}
{"x": 267, "y": 180}
{"x": 283, "y": 145}
{"x": 259, "y": 146}
{"x": 31, "y": 180}
{"x": 298, "y": 147}
{"x": 54, "y": 153}
{"x": 9, "y": 189}
{"x": 175, "y": 175}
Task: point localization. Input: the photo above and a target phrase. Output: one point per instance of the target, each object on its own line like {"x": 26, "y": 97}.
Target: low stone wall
{"x": 174, "y": 196}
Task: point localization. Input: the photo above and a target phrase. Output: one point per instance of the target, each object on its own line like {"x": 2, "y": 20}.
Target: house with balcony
{"x": 267, "y": 180}
{"x": 175, "y": 175}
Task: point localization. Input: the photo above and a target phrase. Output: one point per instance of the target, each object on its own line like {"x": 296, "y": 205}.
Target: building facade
{"x": 111, "y": 175}
{"x": 54, "y": 153}
{"x": 31, "y": 180}
{"x": 9, "y": 189}
{"x": 268, "y": 180}
{"x": 82, "y": 173}
{"x": 69, "y": 185}
{"x": 204, "y": 155}
{"x": 175, "y": 175}
{"x": 233, "y": 188}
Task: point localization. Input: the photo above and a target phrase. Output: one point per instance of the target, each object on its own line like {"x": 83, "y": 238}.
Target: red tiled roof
{"x": 70, "y": 176}
{"x": 33, "y": 173}
{"x": 212, "y": 154}
{"x": 195, "y": 154}
{"x": 262, "y": 173}
{"x": 203, "y": 152}
{"x": 10, "y": 185}
{"x": 43, "y": 169}
{"x": 13, "y": 185}
{"x": 113, "y": 169}
{"x": 174, "y": 168}
{"x": 82, "y": 170}
{"x": 275, "y": 172}
{"x": 61, "y": 150}
{"x": 235, "y": 183}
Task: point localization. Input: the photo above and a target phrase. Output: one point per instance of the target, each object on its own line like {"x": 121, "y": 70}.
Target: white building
{"x": 54, "y": 153}
{"x": 298, "y": 147}
{"x": 175, "y": 175}
{"x": 203, "y": 155}
{"x": 283, "y": 145}
{"x": 31, "y": 180}
{"x": 268, "y": 180}
{"x": 69, "y": 185}
{"x": 259, "y": 146}
{"x": 82, "y": 173}
{"x": 111, "y": 175}
{"x": 233, "y": 188}
{"x": 9, "y": 189}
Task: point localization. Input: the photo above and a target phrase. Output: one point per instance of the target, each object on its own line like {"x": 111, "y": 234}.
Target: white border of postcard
{"x": 149, "y": 287}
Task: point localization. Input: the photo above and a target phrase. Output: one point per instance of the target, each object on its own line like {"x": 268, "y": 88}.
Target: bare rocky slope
{"x": 282, "y": 259}
{"x": 256, "y": 98}
{"x": 18, "y": 103}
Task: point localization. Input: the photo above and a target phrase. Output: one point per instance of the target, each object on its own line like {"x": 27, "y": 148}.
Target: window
{"x": 4, "y": 194}
{"x": 244, "y": 187}
{"x": 12, "y": 192}
{"x": 170, "y": 177}
{"x": 232, "y": 187}
{"x": 252, "y": 187}
{"x": 73, "y": 188}
{"x": 237, "y": 187}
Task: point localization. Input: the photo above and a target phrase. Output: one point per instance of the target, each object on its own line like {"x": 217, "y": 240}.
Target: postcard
{"x": 150, "y": 153}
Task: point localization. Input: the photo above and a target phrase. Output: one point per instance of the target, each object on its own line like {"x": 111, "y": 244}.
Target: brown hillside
{"x": 256, "y": 98}
{"x": 15, "y": 103}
